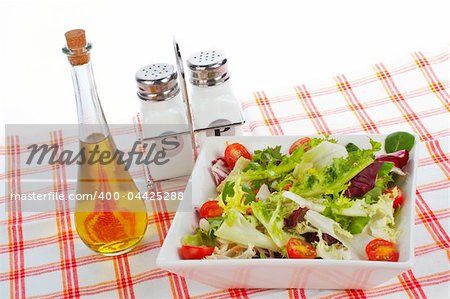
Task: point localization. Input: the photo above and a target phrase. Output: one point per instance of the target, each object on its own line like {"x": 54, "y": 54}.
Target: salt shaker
{"x": 164, "y": 122}
{"x": 216, "y": 110}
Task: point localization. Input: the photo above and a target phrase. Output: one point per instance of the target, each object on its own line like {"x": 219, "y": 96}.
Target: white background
{"x": 269, "y": 45}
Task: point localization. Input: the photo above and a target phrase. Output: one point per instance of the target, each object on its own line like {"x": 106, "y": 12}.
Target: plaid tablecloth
{"x": 41, "y": 255}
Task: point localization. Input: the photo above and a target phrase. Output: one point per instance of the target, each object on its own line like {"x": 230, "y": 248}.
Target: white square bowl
{"x": 282, "y": 273}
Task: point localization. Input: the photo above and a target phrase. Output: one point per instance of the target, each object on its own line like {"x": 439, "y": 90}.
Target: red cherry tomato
{"x": 396, "y": 195}
{"x": 298, "y": 143}
{"x": 233, "y": 152}
{"x": 300, "y": 249}
{"x": 189, "y": 252}
{"x": 382, "y": 250}
{"x": 210, "y": 209}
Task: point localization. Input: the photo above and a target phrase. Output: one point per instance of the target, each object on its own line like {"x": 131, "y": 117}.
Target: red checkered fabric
{"x": 41, "y": 255}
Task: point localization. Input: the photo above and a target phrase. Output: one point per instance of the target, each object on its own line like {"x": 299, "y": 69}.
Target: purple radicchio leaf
{"x": 330, "y": 240}
{"x": 296, "y": 216}
{"x": 219, "y": 170}
{"x": 364, "y": 181}
{"x": 313, "y": 237}
{"x": 399, "y": 158}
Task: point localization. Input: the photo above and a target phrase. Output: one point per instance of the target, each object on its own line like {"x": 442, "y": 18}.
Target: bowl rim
{"x": 163, "y": 262}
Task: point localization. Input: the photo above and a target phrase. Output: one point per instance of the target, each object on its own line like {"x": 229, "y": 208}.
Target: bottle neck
{"x": 92, "y": 123}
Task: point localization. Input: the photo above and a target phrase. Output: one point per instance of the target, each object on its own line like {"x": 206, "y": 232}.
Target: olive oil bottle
{"x": 110, "y": 216}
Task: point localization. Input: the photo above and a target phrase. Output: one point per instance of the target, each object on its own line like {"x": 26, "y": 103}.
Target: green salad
{"x": 321, "y": 199}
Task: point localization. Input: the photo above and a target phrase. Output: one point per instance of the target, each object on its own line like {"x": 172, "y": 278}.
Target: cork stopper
{"x": 77, "y": 46}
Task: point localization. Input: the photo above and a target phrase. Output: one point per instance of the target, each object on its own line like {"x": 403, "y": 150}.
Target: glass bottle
{"x": 111, "y": 219}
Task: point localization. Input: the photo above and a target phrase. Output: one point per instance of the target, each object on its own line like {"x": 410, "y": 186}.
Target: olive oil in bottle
{"x": 117, "y": 219}
{"x": 110, "y": 216}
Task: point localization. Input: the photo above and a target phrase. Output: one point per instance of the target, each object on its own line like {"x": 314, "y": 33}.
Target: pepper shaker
{"x": 217, "y": 111}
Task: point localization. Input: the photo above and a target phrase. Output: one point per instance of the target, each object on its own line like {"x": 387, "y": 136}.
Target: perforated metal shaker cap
{"x": 208, "y": 68}
{"x": 157, "y": 82}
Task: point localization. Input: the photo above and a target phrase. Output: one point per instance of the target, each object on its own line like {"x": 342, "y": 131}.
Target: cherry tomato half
{"x": 300, "y": 249}
{"x": 298, "y": 143}
{"x": 382, "y": 250}
{"x": 210, "y": 209}
{"x": 396, "y": 195}
{"x": 189, "y": 252}
{"x": 233, "y": 152}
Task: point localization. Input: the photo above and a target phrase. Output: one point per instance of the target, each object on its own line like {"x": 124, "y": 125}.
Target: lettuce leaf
{"x": 384, "y": 177}
{"x": 214, "y": 224}
{"x": 241, "y": 163}
{"x": 358, "y": 224}
{"x": 345, "y": 206}
{"x": 200, "y": 238}
{"x": 382, "y": 222}
{"x": 263, "y": 159}
{"x": 287, "y": 181}
{"x": 312, "y": 204}
{"x": 269, "y": 164}
{"x": 234, "y": 196}
{"x": 357, "y": 244}
{"x": 320, "y": 156}
{"x": 354, "y": 243}
{"x": 350, "y": 214}
{"x": 304, "y": 227}
{"x": 327, "y": 225}
{"x": 271, "y": 214}
{"x": 237, "y": 229}
{"x": 334, "y": 178}
{"x": 334, "y": 251}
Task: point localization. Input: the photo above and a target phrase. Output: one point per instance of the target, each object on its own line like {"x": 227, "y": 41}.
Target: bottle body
{"x": 110, "y": 216}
